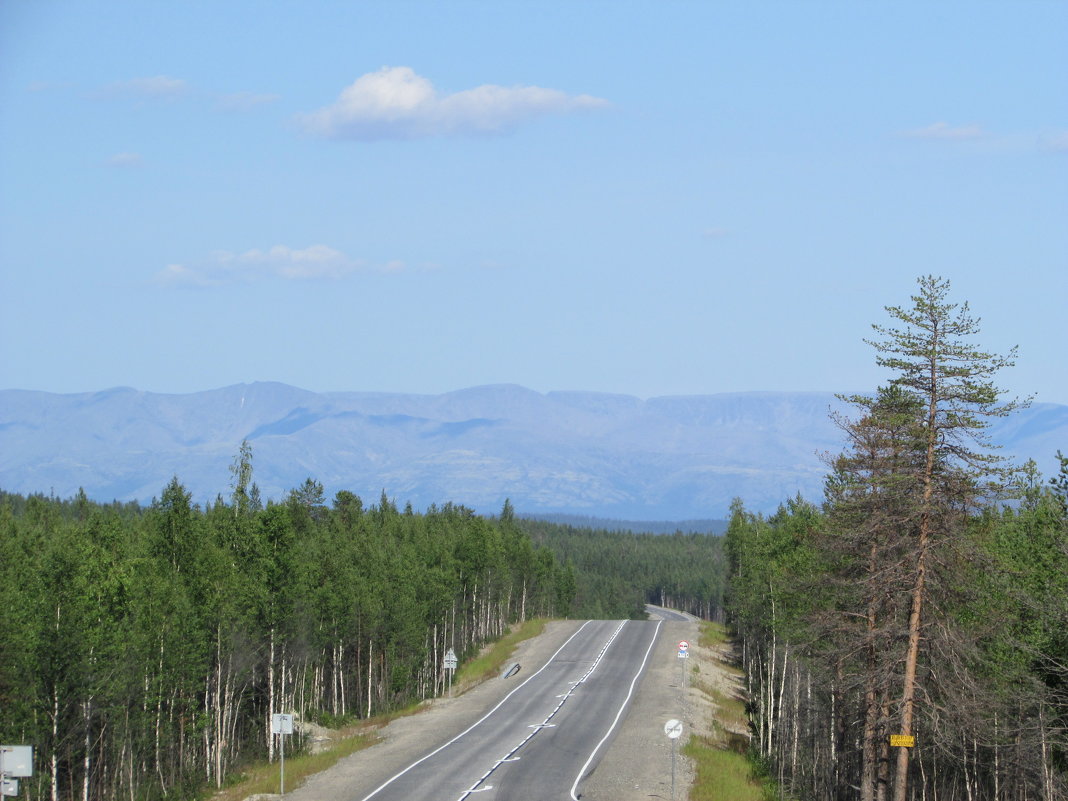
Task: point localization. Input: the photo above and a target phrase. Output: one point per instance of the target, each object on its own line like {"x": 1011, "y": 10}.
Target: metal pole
{"x": 282, "y": 776}
{"x": 673, "y": 769}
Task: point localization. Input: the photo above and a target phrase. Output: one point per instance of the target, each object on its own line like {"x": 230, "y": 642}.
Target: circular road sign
{"x": 673, "y": 728}
{"x": 683, "y": 645}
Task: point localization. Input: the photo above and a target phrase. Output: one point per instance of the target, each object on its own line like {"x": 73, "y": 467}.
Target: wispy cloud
{"x": 159, "y": 87}
{"x": 396, "y": 103}
{"x": 48, "y": 86}
{"x": 946, "y": 132}
{"x": 126, "y": 160}
{"x": 244, "y": 101}
{"x": 313, "y": 263}
{"x": 1056, "y": 141}
{"x": 714, "y": 232}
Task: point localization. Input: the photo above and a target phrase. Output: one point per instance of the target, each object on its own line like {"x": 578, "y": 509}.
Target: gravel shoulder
{"x": 406, "y": 739}
{"x": 637, "y": 765}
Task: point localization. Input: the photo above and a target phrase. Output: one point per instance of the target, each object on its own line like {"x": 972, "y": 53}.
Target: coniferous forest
{"x": 618, "y": 573}
{"x": 909, "y": 638}
{"x": 143, "y": 650}
{"x": 904, "y": 640}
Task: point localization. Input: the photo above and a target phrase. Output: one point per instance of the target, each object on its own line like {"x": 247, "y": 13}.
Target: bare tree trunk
{"x": 370, "y": 673}
{"x": 270, "y": 697}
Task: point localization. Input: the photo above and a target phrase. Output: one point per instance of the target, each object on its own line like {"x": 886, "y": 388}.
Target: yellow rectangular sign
{"x": 902, "y": 740}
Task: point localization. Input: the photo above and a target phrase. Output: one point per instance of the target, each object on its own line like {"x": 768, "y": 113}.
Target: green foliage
{"x": 916, "y": 600}
{"x": 615, "y": 574}
{"x": 144, "y": 649}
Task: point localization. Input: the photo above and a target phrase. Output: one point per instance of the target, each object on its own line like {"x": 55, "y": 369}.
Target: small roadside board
{"x": 450, "y": 660}
{"x": 684, "y": 649}
{"x": 281, "y": 724}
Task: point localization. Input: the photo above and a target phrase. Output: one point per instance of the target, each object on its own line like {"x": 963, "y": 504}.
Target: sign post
{"x": 673, "y": 729}
{"x": 684, "y": 653}
{"x": 16, "y": 761}
{"x": 281, "y": 725}
{"x": 450, "y": 665}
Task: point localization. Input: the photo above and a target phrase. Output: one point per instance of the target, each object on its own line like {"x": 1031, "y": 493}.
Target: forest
{"x": 905, "y": 639}
{"x": 617, "y": 573}
{"x": 908, "y": 639}
{"x": 142, "y": 650}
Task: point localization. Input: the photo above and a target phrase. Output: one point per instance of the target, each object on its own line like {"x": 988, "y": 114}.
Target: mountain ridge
{"x": 675, "y": 457}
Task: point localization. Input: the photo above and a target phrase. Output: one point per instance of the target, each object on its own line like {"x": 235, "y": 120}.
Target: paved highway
{"x": 546, "y": 735}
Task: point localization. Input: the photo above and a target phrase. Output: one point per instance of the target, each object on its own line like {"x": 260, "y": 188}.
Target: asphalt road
{"x": 547, "y": 734}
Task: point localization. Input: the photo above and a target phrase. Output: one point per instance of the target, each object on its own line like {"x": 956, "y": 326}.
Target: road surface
{"x": 547, "y": 734}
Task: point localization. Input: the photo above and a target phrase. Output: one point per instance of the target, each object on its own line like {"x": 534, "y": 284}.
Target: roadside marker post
{"x": 16, "y": 761}
{"x": 282, "y": 725}
{"x": 673, "y": 729}
{"x": 450, "y": 665}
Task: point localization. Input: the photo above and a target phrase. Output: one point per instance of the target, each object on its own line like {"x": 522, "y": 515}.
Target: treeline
{"x": 142, "y": 651}
{"x": 909, "y": 638}
{"x": 617, "y": 573}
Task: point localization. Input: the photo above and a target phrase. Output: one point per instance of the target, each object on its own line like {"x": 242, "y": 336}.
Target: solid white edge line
{"x": 479, "y": 721}
{"x": 623, "y": 706}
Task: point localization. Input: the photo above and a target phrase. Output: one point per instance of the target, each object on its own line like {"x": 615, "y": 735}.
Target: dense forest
{"x": 142, "y": 650}
{"x": 618, "y": 573}
{"x": 909, "y": 638}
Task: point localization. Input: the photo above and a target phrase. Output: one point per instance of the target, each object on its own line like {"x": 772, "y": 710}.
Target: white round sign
{"x": 673, "y": 728}
{"x": 683, "y": 645}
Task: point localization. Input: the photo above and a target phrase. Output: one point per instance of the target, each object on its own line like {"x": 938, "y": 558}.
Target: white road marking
{"x": 476, "y": 723}
{"x": 619, "y": 714}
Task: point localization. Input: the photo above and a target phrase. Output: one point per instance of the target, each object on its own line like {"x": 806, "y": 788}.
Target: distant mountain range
{"x": 578, "y": 453}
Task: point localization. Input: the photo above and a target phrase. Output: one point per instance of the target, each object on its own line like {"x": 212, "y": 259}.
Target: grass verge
{"x": 723, "y": 770}
{"x": 723, "y": 775}
{"x": 264, "y": 777}
{"x": 489, "y": 663}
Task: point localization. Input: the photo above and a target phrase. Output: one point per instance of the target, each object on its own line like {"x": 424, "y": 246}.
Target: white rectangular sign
{"x": 281, "y": 724}
{"x": 17, "y": 760}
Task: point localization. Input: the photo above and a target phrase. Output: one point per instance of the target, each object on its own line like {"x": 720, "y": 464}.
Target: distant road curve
{"x": 545, "y": 736}
{"x": 663, "y": 613}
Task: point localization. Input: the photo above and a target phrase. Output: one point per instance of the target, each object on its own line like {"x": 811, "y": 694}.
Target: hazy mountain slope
{"x": 614, "y": 456}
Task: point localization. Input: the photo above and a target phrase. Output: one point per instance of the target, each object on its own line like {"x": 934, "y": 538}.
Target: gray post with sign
{"x": 450, "y": 665}
{"x": 673, "y": 729}
{"x": 16, "y": 762}
{"x": 281, "y": 725}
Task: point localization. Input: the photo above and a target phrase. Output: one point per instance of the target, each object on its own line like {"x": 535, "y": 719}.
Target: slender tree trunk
{"x": 270, "y": 697}
{"x": 912, "y": 655}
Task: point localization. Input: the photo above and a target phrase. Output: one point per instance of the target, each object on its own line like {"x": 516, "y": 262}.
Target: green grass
{"x": 712, "y": 634}
{"x": 264, "y": 777}
{"x": 723, "y": 775}
{"x": 490, "y": 662}
{"x": 723, "y": 769}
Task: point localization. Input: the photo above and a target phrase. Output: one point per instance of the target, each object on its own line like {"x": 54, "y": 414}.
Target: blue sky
{"x": 650, "y": 198}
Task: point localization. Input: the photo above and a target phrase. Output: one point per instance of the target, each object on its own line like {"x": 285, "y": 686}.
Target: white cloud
{"x": 396, "y": 103}
{"x": 244, "y": 101}
{"x": 158, "y": 87}
{"x": 126, "y": 160}
{"x": 714, "y": 232}
{"x": 317, "y": 262}
{"x": 945, "y": 131}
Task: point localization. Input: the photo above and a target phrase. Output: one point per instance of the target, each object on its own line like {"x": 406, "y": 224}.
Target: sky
{"x": 648, "y": 198}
